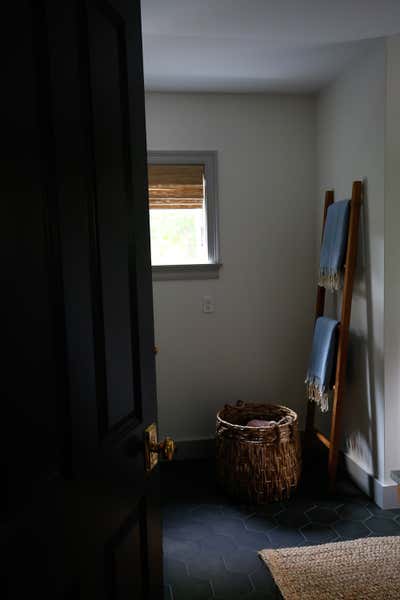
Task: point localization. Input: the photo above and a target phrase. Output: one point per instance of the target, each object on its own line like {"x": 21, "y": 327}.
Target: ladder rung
{"x": 322, "y": 438}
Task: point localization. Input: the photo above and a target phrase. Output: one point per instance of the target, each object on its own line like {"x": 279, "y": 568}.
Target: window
{"x": 183, "y": 215}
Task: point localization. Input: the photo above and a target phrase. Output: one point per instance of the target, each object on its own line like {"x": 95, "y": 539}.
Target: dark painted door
{"x": 80, "y": 514}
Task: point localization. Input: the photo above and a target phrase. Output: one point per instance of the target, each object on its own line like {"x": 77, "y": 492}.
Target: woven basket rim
{"x": 291, "y": 414}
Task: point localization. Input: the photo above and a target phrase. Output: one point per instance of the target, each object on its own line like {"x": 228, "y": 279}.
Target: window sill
{"x": 179, "y": 272}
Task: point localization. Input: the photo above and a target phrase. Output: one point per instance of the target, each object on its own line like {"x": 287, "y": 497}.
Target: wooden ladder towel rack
{"x": 332, "y": 443}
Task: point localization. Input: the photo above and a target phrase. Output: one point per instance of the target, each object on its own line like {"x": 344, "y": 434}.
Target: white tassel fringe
{"x": 330, "y": 280}
{"x": 317, "y": 393}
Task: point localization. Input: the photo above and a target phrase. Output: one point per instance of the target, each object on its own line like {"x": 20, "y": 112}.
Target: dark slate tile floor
{"x": 211, "y": 542}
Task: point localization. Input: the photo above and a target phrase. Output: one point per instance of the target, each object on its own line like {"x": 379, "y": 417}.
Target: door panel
{"x": 80, "y": 322}
{"x": 112, "y": 170}
{"x": 127, "y": 565}
{"x": 34, "y": 428}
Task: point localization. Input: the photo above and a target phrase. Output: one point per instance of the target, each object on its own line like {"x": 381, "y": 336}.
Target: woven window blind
{"x": 176, "y": 186}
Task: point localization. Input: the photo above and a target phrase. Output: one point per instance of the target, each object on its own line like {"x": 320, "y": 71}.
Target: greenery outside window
{"x": 183, "y": 215}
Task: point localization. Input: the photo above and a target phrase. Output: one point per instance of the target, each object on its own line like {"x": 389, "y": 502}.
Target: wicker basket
{"x": 258, "y": 464}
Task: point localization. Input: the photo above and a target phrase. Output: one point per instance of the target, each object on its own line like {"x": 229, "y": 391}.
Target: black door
{"x": 80, "y": 513}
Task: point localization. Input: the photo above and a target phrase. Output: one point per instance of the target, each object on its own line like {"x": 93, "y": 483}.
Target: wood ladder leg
{"x": 335, "y": 435}
{"x": 343, "y": 341}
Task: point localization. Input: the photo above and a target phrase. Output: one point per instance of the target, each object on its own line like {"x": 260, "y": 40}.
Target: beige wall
{"x": 351, "y": 145}
{"x": 392, "y": 258}
{"x": 255, "y": 345}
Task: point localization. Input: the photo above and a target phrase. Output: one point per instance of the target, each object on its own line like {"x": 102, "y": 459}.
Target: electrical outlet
{"x": 208, "y": 304}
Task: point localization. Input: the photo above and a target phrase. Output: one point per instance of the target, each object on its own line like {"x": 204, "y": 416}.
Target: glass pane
{"x": 178, "y": 236}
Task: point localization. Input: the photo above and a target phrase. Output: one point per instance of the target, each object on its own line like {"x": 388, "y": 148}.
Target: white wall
{"x": 255, "y": 345}
{"x": 351, "y": 145}
{"x": 392, "y": 258}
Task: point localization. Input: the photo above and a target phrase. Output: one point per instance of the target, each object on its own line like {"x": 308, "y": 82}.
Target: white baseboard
{"x": 385, "y": 495}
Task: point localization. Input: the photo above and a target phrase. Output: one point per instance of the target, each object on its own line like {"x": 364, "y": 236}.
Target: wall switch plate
{"x": 208, "y": 304}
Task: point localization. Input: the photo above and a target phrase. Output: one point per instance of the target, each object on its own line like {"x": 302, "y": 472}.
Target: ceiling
{"x": 258, "y": 45}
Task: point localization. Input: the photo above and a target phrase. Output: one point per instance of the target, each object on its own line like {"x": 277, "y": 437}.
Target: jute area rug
{"x": 364, "y": 569}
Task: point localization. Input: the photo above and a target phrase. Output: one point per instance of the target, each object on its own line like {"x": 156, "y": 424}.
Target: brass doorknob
{"x": 166, "y": 448}
{"x": 153, "y": 449}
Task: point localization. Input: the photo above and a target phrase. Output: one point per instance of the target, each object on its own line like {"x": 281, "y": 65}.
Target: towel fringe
{"x": 318, "y": 393}
{"x": 331, "y": 280}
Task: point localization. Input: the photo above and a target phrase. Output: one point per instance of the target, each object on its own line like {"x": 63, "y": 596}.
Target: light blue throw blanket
{"x": 334, "y": 243}
{"x": 321, "y": 370}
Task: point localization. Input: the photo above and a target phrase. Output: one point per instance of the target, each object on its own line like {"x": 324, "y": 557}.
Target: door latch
{"x": 153, "y": 448}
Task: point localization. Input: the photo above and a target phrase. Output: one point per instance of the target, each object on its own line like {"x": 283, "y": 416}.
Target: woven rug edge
{"x": 271, "y": 560}
{"x": 275, "y": 560}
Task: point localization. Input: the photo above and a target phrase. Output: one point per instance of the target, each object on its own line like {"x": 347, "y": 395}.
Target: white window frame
{"x": 208, "y": 158}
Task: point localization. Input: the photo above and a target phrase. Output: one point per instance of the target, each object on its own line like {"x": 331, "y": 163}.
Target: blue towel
{"x": 321, "y": 370}
{"x": 334, "y": 243}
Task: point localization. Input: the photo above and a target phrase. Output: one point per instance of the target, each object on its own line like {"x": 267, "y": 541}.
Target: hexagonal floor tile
{"x": 353, "y": 512}
{"x": 322, "y": 515}
{"x": 316, "y": 533}
{"x": 241, "y": 536}
{"x": 381, "y": 526}
{"x": 300, "y": 503}
{"x": 231, "y": 527}
{"x": 351, "y": 530}
{"x": 226, "y": 583}
{"x": 253, "y": 540}
{"x": 179, "y": 549}
{"x": 174, "y": 571}
{"x": 262, "y": 579}
{"x": 206, "y": 512}
{"x": 193, "y": 589}
{"x": 206, "y": 565}
{"x": 292, "y": 517}
{"x": 241, "y": 560}
{"x": 260, "y": 523}
{"x": 233, "y": 511}
{"x": 269, "y": 510}
{"x": 219, "y": 543}
{"x": 283, "y": 537}
{"x": 332, "y": 503}
{"x": 173, "y": 514}
{"x": 189, "y": 531}
{"x": 379, "y": 512}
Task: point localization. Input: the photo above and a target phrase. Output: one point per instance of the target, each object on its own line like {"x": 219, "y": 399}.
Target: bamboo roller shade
{"x": 176, "y": 186}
